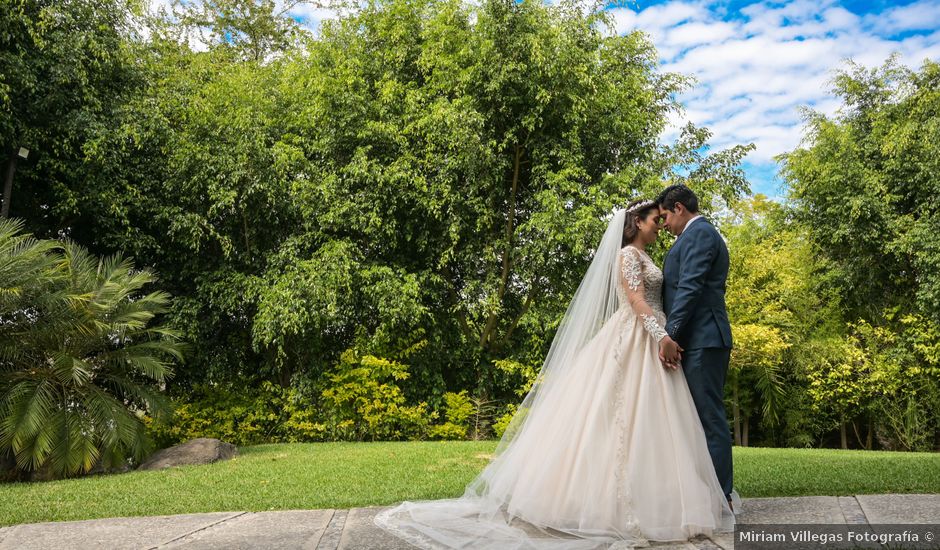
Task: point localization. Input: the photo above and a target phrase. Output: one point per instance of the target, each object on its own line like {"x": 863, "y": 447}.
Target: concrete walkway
{"x": 353, "y": 529}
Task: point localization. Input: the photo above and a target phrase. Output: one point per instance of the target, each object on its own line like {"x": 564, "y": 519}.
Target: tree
{"x": 477, "y": 150}
{"x": 780, "y": 309}
{"x": 754, "y": 376}
{"x": 418, "y": 170}
{"x": 80, "y": 355}
{"x": 64, "y": 68}
{"x": 867, "y": 186}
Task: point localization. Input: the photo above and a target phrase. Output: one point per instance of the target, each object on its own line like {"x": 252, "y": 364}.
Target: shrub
{"x": 81, "y": 356}
{"x": 242, "y": 416}
{"x": 499, "y": 427}
{"x": 457, "y": 411}
{"x": 364, "y": 403}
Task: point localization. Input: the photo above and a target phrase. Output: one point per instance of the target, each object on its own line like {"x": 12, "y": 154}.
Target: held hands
{"x": 670, "y": 353}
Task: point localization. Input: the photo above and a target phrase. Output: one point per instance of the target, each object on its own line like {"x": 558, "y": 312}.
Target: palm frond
{"x": 79, "y": 353}
{"x": 29, "y": 412}
{"x": 155, "y": 402}
{"x": 69, "y": 369}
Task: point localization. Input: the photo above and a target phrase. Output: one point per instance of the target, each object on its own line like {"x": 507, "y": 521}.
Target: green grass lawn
{"x": 344, "y": 475}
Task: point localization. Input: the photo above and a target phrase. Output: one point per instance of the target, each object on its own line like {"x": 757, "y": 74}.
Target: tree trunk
{"x": 745, "y": 430}
{"x": 490, "y": 327}
{"x": 863, "y": 443}
{"x": 245, "y": 233}
{"x": 8, "y": 186}
{"x": 843, "y": 434}
{"x": 283, "y": 376}
{"x": 736, "y": 413}
{"x": 525, "y": 308}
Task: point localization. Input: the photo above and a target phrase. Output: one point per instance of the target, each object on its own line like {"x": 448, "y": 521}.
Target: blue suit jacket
{"x": 694, "y": 279}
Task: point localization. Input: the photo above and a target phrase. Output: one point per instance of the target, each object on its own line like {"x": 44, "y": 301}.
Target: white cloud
{"x": 311, "y": 14}
{"x": 758, "y": 67}
{"x": 698, "y": 32}
{"x": 922, "y": 15}
{"x": 667, "y": 15}
{"x": 624, "y": 19}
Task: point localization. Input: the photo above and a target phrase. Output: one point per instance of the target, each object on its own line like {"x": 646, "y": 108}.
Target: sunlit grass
{"x": 766, "y": 472}
{"x": 344, "y": 475}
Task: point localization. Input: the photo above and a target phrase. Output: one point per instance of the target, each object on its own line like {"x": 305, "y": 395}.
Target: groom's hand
{"x": 670, "y": 353}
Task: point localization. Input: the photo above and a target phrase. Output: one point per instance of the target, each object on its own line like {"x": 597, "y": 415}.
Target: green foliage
{"x": 64, "y": 68}
{"x": 363, "y": 401}
{"x": 313, "y": 305}
{"x": 867, "y": 187}
{"x": 457, "y": 412}
{"x": 81, "y": 354}
{"x": 904, "y": 379}
{"x": 840, "y": 383}
{"x": 305, "y": 196}
{"x": 755, "y": 366}
{"x": 886, "y": 373}
{"x": 780, "y": 308}
{"x": 473, "y": 155}
{"x": 517, "y": 369}
{"x": 428, "y": 168}
{"x": 240, "y": 415}
{"x": 499, "y": 427}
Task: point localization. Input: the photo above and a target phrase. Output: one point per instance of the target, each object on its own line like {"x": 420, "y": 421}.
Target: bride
{"x": 606, "y": 450}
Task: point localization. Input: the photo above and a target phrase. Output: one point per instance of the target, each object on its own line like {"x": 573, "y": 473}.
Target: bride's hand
{"x": 670, "y": 353}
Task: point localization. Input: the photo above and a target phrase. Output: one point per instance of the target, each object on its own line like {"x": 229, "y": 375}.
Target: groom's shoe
{"x": 730, "y": 505}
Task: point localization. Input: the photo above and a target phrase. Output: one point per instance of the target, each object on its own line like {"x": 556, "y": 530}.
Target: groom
{"x": 694, "y": 275}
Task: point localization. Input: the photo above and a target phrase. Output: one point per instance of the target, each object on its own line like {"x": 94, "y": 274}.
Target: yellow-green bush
{"x": 363, "y": 402}
{"x": 246, "y": 416}
{"x": 457, "y": 411}
{"x": 499, "y": 427}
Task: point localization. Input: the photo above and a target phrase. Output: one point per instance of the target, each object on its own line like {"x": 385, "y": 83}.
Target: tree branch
{"x": 525, "y": 308}
{"x": 455, "y": 300}
{"x": 487, "y": 333}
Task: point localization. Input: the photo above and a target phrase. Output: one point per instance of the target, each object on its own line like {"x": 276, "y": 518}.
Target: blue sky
{"x": 757, "y": 63}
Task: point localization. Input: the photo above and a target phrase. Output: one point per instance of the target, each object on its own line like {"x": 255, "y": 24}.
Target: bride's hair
{"x": 636, "y": 210}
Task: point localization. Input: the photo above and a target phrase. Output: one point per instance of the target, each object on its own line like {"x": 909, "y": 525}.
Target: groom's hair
{"x": 678, "y": 193}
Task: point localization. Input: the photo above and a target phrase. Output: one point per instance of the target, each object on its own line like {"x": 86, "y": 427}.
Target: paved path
{"x": 353, "y": 529}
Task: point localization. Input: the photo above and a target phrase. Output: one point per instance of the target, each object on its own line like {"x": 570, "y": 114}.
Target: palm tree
{"x": 79, "y": 357}
{"x": 754, "y": 377}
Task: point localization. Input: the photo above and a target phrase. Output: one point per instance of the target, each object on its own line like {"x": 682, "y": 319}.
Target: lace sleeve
{"x": 631, "y": 269}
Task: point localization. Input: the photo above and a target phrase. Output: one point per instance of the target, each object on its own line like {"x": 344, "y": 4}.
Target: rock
{"x": 202, "y": 450}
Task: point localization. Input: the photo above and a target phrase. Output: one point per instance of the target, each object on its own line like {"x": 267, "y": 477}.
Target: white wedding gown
{"x": 619, "y": 458}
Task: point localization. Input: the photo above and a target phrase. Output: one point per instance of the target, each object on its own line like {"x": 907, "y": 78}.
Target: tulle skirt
{"x": 613, "y": 456}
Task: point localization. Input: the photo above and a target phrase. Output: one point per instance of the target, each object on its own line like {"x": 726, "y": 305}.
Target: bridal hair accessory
{"x": 640, "y": 206}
